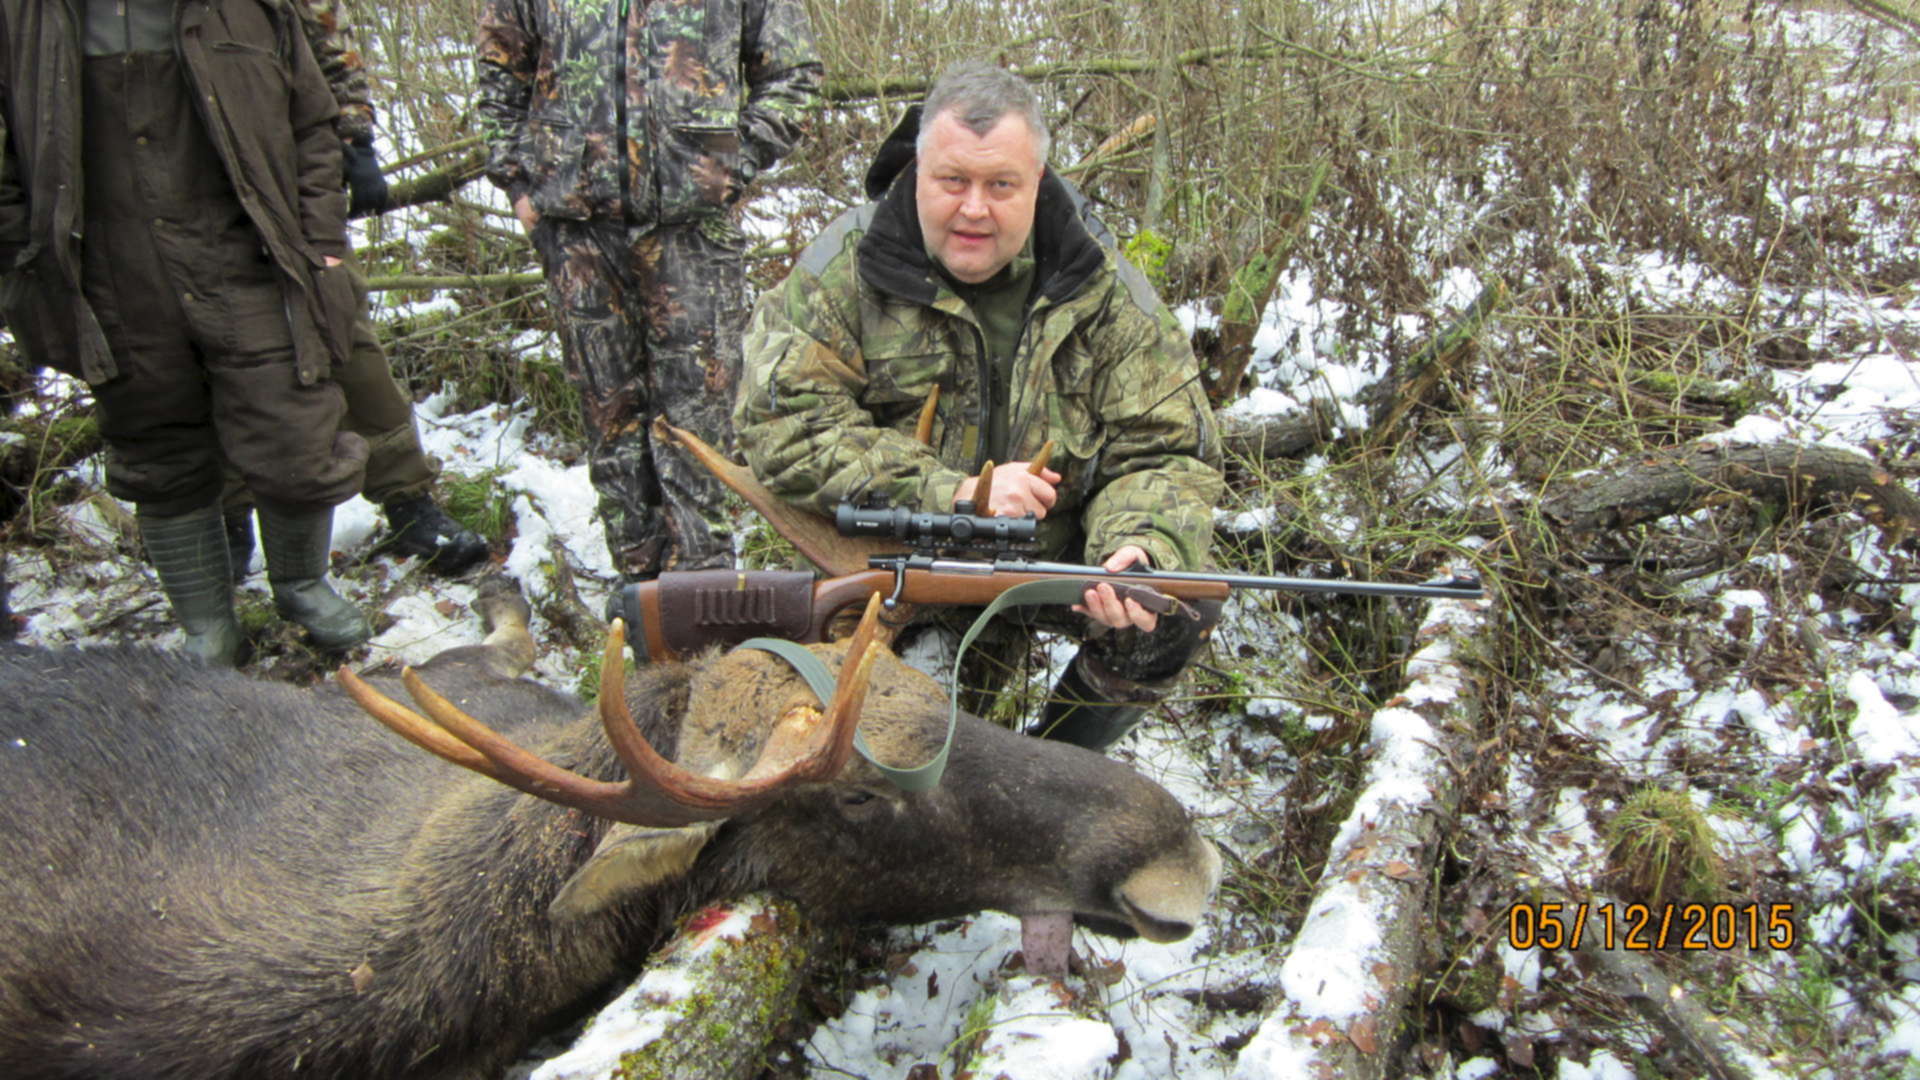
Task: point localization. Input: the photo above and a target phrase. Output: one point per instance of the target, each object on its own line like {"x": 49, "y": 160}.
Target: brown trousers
{"x": 207, "y": 376}
{"x": 379, "y": 410}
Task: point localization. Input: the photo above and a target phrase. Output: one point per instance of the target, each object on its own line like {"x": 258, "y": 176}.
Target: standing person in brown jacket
{"x": 192, "y": 273}
{"x": 399, "y": 473}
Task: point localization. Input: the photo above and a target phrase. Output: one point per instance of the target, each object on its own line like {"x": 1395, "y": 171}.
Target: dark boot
{"x": 7, "y": 628}
{"x": 417, "y": 526}
{"x": 1077, "y": 714}
{"x": 296, "y": 545}
{"x": 189, "y": 552}
{"x": 238, "y": 521}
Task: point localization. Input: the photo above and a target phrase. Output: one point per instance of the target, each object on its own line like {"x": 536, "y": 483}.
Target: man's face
{"x": 976, "y": 194}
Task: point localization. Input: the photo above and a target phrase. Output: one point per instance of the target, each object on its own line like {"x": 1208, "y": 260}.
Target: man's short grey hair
{"x": 979, "y": 94}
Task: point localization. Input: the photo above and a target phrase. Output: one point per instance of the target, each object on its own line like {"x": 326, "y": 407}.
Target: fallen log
{"x": 1788, "y": 474}
{"x": 1356, "y": 962}
{"x": 708, "y": 1004}
{"x": 1666, "y": 1005}
{"x": 1288, "y": 435}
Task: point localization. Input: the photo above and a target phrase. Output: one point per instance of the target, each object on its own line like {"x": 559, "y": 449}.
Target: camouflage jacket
{"x": 716, "y": 96}
{"x": 330, "y": 34}
{"x": 841, "y": 356}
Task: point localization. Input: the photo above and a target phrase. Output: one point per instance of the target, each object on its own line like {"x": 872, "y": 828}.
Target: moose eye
{"x": 856, "y": 798}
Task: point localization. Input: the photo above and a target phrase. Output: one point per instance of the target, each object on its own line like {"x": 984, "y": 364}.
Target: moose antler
{"x": 657, "y": 792}
{"x": 812, "y": 534}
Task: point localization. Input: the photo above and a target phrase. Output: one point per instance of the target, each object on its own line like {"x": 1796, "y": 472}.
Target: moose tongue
{"x": 1044, "y": 942}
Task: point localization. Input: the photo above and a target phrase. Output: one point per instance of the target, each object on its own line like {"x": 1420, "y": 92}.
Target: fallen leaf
{"x": 1363, "y": 1036}
{"x": 1400, "y": 870}
{"x": 1320, "y": 1032}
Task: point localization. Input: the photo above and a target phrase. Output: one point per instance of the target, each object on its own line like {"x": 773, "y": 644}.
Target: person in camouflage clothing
{"x": 624, "y": 132}
{"x": 977, "y": 272}
{"x": 399, "y": 473}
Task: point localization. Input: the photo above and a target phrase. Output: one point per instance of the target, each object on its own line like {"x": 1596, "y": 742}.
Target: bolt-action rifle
{"x": 963, "y": 558}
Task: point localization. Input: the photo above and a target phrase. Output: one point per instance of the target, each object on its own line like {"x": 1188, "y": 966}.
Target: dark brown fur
{"x": 193, "y": 864}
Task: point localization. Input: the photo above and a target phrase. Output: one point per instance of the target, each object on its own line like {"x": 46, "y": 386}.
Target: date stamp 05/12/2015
{"x": 1550, "y": 926}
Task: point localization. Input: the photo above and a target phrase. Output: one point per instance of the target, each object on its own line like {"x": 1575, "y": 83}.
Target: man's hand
{"x": 1016, "y": 491}
{"x": 331, "y": 260}
{"x": 523, "y": 209}
{"x": 366, "y": 189}
{"x": 1101, "y": 604}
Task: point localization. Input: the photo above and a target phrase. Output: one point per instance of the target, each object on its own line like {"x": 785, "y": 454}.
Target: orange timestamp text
{"x": 1550, "y": 926}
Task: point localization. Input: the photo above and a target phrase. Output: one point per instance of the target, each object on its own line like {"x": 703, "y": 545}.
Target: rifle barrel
{"x": 1456, "y": 588}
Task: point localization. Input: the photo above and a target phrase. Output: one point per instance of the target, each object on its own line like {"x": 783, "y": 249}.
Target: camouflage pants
{"x": 650, "y": 320}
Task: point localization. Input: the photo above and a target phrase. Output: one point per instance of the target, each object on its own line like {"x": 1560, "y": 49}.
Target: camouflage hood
{"x": 843, "y": 354}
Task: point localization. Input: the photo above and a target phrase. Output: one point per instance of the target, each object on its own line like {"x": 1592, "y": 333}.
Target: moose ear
{"x": 630, "y": 858}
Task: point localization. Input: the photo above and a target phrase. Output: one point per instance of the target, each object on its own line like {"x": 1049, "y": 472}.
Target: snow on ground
{"x": 1834, "y": 838}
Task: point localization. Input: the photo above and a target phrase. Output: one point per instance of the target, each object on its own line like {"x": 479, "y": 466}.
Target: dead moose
{"x": 204, "y": 875}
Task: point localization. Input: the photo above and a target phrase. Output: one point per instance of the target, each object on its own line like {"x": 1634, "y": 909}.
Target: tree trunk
{"x": 1249, "y": 292}
{"x": 1410, "y": 382}
{"x": 1356, "y": 962}
{"x": 708, "y": 1003}
{"x": 1786, "y": 473}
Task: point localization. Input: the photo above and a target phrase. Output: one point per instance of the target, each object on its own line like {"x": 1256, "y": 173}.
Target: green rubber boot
{"x": 1076, "y": 713}
{"x": 189, "y": 552}
{"x": 296, "y": 547}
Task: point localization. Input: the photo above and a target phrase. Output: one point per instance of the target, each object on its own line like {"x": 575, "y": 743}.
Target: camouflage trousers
{"x": 650, "y": 319}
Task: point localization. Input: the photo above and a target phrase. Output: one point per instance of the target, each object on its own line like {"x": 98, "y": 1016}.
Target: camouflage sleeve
{"x": 1159, "y": 477}
{"x": 507, "y": 56}
{"x": 799, "y": 419}
{"x": 783, "y": 81}
{"x": 330, "y": 35}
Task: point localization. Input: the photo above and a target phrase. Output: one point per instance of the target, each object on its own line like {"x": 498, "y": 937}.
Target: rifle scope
{"x": 901, "y": 523}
